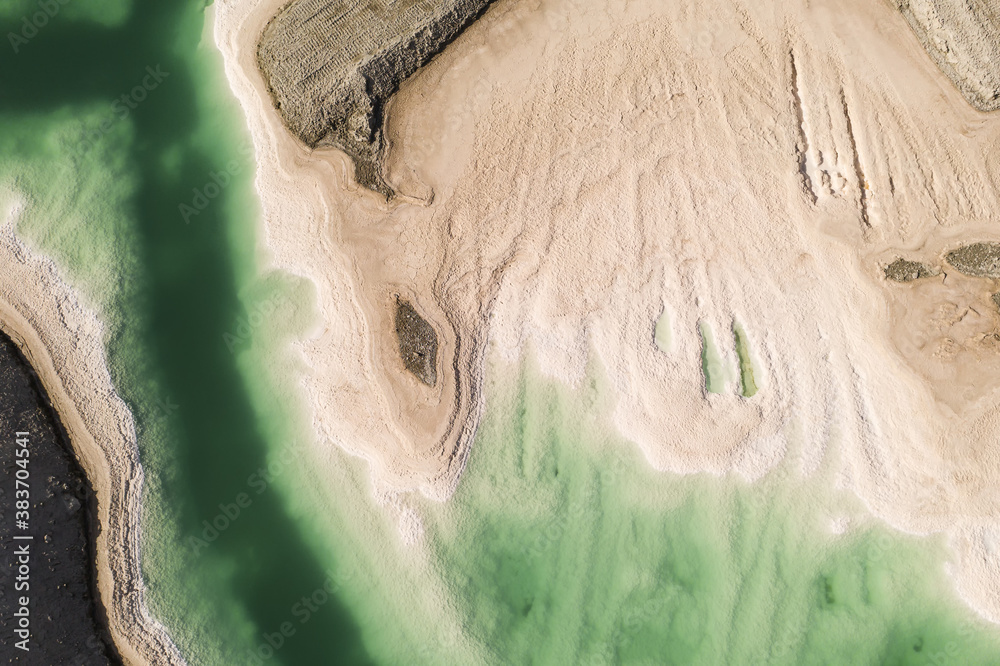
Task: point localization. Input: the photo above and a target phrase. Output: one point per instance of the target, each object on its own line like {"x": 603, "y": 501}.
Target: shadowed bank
{"x": 186, "y": 300}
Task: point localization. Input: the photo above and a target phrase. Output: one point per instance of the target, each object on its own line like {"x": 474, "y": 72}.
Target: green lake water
{"x": 560, "y": 546}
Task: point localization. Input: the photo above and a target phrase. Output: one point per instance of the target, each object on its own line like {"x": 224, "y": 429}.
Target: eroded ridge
{"x": 331, "y": 66}
{"x": 962, "y": 37}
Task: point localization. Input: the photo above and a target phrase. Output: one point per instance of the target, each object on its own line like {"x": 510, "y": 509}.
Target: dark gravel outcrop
{"x": 977, "y": 260}
{"x": 332, "y": 65}
{"x": 904, "y": 270}
{"x": 417, "y": 343}
{"x": 67, "y": 622}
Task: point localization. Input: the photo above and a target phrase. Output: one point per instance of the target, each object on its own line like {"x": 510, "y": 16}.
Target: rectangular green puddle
{"x": 748, "y": 386}
{"x": 711, "y": 362}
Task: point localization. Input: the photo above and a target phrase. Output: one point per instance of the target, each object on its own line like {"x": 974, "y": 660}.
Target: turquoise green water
{"x": 26, "y": 18}
{"x": 560, "y": 546}
{"x": 713, "y": 367}
{"x": 565, "y": 548}
{"x": 106, "y": 175}
{"x": 748, "y": 382}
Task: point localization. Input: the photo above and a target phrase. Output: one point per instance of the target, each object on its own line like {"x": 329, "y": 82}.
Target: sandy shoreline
{"x": 737, "y": 162}
{"x": 423, "y": 433}
{"x": 63, "y": 342}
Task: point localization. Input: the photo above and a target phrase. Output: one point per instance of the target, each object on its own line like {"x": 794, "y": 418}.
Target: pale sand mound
{"x": 592, "y": 164}
{"x": 63, "y": 342}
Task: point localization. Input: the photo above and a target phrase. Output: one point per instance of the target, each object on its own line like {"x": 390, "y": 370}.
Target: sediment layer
{"x": 962, "y": 37}
{"x": 332, "y": 65}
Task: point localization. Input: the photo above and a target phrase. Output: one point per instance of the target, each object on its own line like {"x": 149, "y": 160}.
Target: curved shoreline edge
{"x": 962, "y": 39}
{"x": 807, "y": 194}
{"x": 424, "y": 433}
{"x": 63, "y": 342}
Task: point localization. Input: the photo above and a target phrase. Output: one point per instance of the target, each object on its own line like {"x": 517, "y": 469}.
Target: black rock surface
{"x": 67, "y": 622}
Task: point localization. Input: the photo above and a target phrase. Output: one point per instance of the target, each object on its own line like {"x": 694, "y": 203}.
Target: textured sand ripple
{"x": 64, "y": 343}
{"x": 592, "y": 165}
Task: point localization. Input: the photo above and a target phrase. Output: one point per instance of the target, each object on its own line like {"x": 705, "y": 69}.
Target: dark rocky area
{"x": 417, "y": 343}
{"x": 977, "y": 260}
{"x": 903, "y": 270}
{"x": 67, "y": 623}
{"x": 332, "y": 65}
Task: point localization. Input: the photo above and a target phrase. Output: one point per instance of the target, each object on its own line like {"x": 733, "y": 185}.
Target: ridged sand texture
{"x": 749, "y": 161}
{"x": 331, "y": 66}
{"x": 963, "y": 39}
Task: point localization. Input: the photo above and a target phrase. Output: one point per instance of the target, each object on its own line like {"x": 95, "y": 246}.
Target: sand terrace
{"x": 730, "y": 162}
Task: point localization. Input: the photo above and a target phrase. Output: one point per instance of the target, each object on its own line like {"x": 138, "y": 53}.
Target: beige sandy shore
{"x": 63, "y": 341}
{"x": 576, "y": 167}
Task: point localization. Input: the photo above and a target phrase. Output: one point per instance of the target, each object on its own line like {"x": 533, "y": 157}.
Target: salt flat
{"x": 567, "y": 170}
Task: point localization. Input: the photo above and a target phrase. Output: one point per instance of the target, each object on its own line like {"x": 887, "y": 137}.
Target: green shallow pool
{"x": 563, "y": 547}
